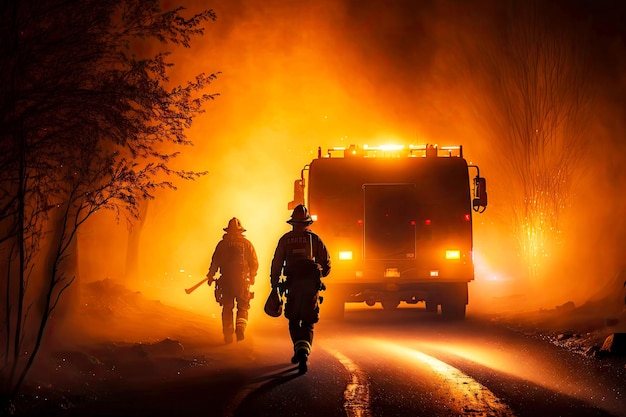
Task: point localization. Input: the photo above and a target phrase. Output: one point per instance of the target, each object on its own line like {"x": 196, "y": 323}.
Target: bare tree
{"x": 85, "y": 124}
{"x": 536, "y": 75}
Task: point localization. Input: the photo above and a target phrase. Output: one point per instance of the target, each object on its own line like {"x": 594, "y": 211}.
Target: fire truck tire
{"x": 453, "y": 311}
{"x": 431, "y": 306}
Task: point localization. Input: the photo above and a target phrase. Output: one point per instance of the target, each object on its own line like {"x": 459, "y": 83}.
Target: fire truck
{"x": 397, "y": 221}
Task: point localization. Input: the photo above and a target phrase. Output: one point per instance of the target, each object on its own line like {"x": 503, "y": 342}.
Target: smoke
{"x": 295, "y": 76}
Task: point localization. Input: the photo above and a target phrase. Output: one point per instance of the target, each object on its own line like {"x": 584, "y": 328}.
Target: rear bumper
{"x": 414, "y": 292}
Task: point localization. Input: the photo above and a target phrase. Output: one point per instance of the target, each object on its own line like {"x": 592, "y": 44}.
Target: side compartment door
{"x": 390, "y": 210}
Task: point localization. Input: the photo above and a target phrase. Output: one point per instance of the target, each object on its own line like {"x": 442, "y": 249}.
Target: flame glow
{"x": 284, "y": 93}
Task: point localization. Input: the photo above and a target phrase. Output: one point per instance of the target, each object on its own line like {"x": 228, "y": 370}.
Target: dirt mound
{"x": 116, "y": 338}
{"x": 581, "y": 329}
{"x": 109, "y": 311}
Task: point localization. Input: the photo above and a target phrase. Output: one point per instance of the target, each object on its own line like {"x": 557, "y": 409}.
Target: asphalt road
{"x": 410, "y": 363}
{"x": 376, "y": 363}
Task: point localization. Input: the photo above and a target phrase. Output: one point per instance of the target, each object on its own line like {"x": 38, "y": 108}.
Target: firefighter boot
{"x": 240, "y": 328}
{"x": 301, "y": 348}
{"x": 303, "y": 357}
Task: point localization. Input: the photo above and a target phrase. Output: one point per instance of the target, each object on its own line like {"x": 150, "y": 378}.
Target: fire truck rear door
{"x": 389, "y": 221}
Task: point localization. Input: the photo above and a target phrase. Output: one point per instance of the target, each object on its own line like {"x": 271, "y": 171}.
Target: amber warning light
{"x": 345, "y": 255}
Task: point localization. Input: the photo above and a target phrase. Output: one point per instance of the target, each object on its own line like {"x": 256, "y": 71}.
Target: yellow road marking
{"x": 467, "y": 396}
{"x": 357, "y": 393}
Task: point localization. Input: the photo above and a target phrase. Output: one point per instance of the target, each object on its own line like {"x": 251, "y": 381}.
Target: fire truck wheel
{"x": 431, "y": 306}
{"x": 453, "y": 311}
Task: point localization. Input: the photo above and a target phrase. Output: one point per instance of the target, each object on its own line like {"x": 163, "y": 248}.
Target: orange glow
{"x": 280, "y": 98}
{"x": 386, "y": 148}
{"x": 298, "y": 75}
{"x": 284, "y": 92}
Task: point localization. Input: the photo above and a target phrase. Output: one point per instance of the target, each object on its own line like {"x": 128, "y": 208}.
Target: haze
{"x": 298, "y": 75}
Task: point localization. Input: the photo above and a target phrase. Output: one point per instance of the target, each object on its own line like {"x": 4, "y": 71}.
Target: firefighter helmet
{"x": 234, "y": 225}
{"x": 300, "y": 215}
{"x": 274, "y": 304}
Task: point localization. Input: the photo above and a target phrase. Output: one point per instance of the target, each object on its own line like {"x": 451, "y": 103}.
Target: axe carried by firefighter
{"x": 195, "y": 287}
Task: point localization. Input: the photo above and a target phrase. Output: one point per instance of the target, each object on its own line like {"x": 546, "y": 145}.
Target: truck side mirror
{"x": 479, "y": 203}
{"x": 298, "y": 194}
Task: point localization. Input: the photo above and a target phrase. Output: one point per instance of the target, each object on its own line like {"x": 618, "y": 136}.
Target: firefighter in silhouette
{"x": 301, "y": 257}
{"x": 236, "y": 260}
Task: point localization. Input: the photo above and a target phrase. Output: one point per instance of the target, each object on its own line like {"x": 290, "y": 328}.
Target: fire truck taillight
{"x": 453, "y": 254}
{"x": 345, "y": 256}
{"x": 359, "y": 222}
{"x": 467, "y": 217}
{"x": 427, "y": 222}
